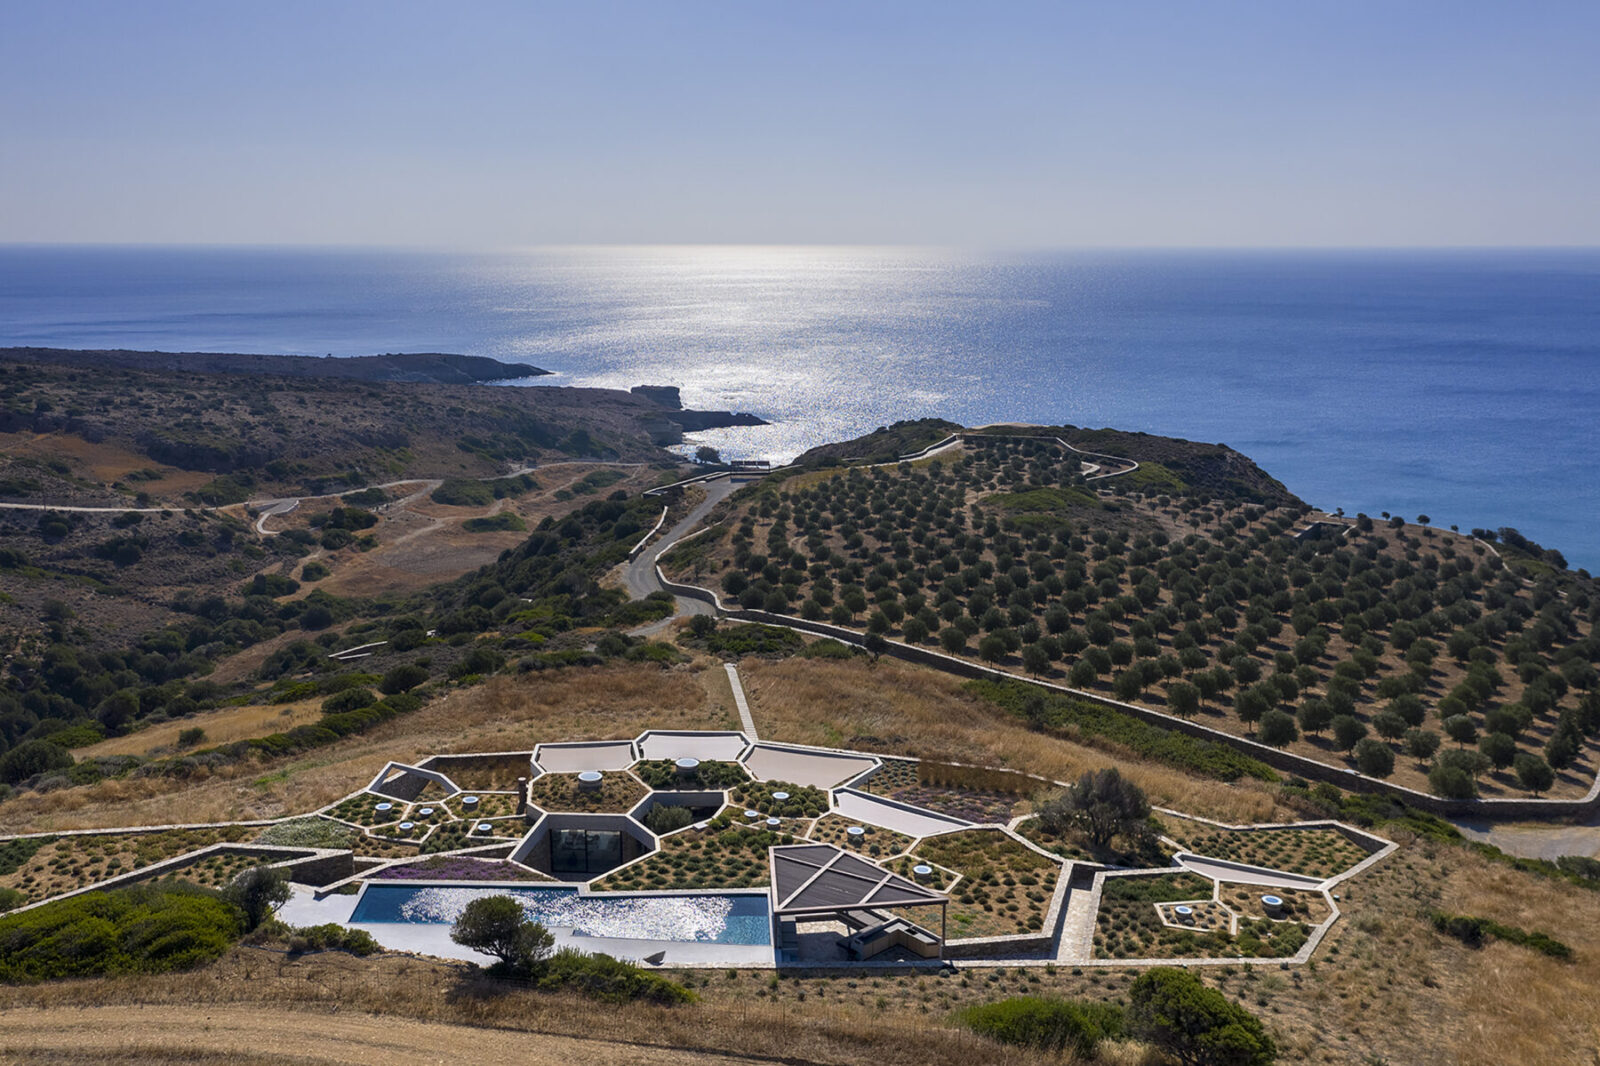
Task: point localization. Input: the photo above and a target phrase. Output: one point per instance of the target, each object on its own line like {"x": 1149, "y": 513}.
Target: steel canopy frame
{"x": 815, "y": 879}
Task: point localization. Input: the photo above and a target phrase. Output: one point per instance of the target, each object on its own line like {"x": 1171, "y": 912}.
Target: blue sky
{"x": 1039, "y": 125}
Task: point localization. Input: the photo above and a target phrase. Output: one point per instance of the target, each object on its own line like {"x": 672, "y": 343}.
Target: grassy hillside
{"x": 111, "y": 436}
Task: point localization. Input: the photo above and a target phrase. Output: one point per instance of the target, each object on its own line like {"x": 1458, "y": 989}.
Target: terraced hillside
{"x": 1438, "y": 660}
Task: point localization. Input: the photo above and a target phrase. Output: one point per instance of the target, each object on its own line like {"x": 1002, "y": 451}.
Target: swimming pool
{"x": 735, "y": 919}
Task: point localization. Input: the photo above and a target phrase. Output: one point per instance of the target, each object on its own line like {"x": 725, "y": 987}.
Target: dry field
{"x": 221, "y": 726}
{"x": 1385, "y": 988}
{"x": 505, "y": 714}
{"x": 421, "y": 542}
{"x": 894, "y": 708}
{"x": 400, "y": 1009}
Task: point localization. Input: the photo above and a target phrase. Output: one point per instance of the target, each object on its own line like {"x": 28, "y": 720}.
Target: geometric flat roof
{"x": 902, "y": 818}
{"x": 819, "y": 769}
{"x": 824, "y": 879}
{"x": 666, "y": 744}
{"x": 575, "y": 756}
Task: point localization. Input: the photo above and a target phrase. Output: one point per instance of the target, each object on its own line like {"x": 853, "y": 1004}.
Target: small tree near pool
{"x": 258, "y": 892}
{"x": 496, "y": 925}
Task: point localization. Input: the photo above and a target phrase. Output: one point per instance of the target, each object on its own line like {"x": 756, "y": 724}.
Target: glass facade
{"x": 584, "y": 852}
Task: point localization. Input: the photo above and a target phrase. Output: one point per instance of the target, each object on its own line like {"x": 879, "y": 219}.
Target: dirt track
{"x": 265, "y": 1035}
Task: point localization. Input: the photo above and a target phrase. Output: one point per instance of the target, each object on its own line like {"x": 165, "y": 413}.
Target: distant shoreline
{"x": 435, "y": 368}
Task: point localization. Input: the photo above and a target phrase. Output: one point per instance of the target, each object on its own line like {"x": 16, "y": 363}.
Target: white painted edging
{"x": 633, "y": 552}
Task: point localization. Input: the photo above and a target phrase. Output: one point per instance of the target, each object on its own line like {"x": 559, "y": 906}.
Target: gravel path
{"x": 267, "y": 1035}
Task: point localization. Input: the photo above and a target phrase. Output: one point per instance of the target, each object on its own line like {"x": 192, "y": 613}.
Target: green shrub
{"x": 352, "y": 699}
{"x": 1091, "y": 721}
{"x": 462, "y": 492}
{"x": 828, "y": 648}
{"x": 80, "y": 735}
{"x": 495, "y": 523}
{"x": 1199, "y": 1026}
{"x": 740, "y": 640}
{"x": 33, "y": 757}
{"x": 663, "y": 819}
{"x": 403, "y": 678}
{"x": 610, "y": 980}
{"x": 144, "y": 929}
{"x": 333, "y": 937}
{"x": 1046, "y": 1023}
{"x": 1475, "y": 932}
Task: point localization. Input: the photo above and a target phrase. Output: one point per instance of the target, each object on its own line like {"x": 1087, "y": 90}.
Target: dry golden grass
{"x": 102, "y": 462}
{"x": 1385, "y": 986}
{"x": 317, "y": 994}
{"x": 1521, "y": 1006}
{"x": 899, "y": 709}
{"x": 505, "y": 714}
{"x": 222, "y": 727}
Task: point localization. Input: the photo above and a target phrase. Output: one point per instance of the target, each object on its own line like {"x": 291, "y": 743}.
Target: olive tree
{"x": 1374, "y": 758}
{"x": 1101, "y": 803}
{"x": 497, "y": 925}
{"x": 258, "y": 892}
{"x": 1278, "y": 729}
{"x": 1533, "y": 773}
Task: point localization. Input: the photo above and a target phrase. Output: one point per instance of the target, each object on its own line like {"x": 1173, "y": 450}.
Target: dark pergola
{"x": 816, "y": 880}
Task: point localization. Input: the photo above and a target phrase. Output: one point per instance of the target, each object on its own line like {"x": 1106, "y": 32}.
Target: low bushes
{"x": 1090, "y": 721}
{"x": 505, "y": 520}
{"x": 1171, "y": 1009}
{"x": 332, "y": 937}
{"x": 144, "y": 929}
{"x": 710, "y": 774}
{"x": 307, "y": 833}
{"x": 610, "y": 980}
{"x": 1046, "y": 1023}
{"x": 752, "y": 639}
{"x": 1475, "y": 932}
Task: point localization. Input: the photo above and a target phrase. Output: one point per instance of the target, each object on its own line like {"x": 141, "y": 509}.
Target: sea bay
{"x": 1464, "y": 385}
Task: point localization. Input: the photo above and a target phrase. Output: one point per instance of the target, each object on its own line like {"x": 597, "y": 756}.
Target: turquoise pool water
{"x": 740, "y": 919}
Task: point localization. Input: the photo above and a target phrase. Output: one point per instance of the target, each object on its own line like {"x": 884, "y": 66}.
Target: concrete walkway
{"x": 747, "y": 722}
{"x": 1079, "y": 910}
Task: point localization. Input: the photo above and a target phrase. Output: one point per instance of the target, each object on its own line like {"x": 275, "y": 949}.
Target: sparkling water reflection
{"x": 738, "y": 919}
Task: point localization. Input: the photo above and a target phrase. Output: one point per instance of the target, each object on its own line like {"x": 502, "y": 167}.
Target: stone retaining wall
{"x": 1299, "y": 765}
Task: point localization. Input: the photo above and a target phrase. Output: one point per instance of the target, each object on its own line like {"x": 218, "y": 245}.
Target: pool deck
{"x": 666, "y": 744}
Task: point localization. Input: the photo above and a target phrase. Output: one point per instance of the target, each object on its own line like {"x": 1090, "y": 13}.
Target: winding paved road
{"x": 639, "y": 577}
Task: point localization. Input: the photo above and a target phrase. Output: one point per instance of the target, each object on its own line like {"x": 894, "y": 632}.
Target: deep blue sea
{"x": 1462, "y": 385}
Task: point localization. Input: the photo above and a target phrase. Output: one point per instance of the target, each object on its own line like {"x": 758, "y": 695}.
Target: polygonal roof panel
{"x": 719, "y": 747}
{"x": 890, "y": 814}
{"x": 819, "y": 769}
{"x": 819, "y": 878}
{"x": 577, "y": 757}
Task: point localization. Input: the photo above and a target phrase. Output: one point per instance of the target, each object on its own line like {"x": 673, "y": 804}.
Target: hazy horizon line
{"x": 885, "y": 245}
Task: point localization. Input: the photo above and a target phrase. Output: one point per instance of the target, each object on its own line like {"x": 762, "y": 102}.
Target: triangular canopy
{"x": 823, "y": 879}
